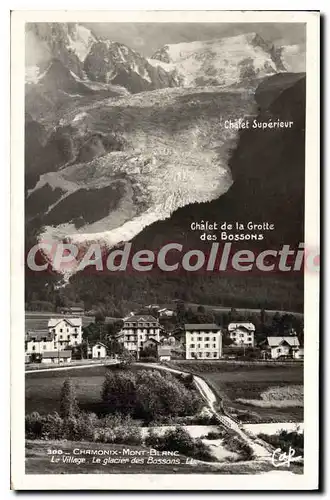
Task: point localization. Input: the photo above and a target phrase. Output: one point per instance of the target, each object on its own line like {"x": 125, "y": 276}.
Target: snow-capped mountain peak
{"x": 223, "y": 61}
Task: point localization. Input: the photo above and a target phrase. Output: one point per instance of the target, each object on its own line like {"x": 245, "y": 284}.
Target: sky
{"x": 149, "y": 37}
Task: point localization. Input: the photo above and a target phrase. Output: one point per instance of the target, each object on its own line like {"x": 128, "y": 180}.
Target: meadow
{"x": 255, "y": 392}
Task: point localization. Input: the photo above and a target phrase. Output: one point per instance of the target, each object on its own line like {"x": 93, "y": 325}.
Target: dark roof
{"x": 151, "y": 340}
{"x": 38, "y": 335}
{"x": 56, "y": 354}
{"x": 201, "y": 326}
{"x": 142, "y": 318}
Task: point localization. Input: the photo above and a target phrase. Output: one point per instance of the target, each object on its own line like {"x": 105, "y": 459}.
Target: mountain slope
{"x": 154, "y": 143}
{"x": 68, "y": 42}
{"x": 268, "y": 168}
{"x": 114, "y": 62}
{"x": 224, "y": 61}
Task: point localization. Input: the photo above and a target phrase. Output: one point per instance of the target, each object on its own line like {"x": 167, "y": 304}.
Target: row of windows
{"x": 206, "y": 346}
{"x": 233, "y": 335}
{"x": 68, "y": 330}
{"x": 45, "y": 346}
{"x": 205, "y": 339}
{"x": 74, "y": 335}
{"x": 205, "y": 354}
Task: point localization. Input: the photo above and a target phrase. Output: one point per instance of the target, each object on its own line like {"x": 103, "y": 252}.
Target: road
{"x": 261, "y": 449}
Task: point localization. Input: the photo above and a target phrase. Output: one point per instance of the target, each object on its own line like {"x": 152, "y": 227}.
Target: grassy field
{"x": 38, "y": 461}
{"x": 42, "y": 390}
{"x": 255, "y": 392}
{"x": 38, "y": 320}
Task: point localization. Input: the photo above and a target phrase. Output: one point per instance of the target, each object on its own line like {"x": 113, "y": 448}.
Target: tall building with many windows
{"x": 203, "y": 341}
{"x": 137, "y": 330}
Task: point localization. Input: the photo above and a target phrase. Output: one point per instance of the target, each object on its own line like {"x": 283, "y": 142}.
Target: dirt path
{"x": 261, "y": 449}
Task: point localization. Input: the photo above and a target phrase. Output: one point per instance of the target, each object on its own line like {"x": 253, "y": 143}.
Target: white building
{"x": 38, "y": 341}
{"x": 61, "y": 334}
{"x": 166, "y": 313}
{"x": 137, "y": 330}
{"x": 56, "y": 357}
{"x": 67, "y": 331}
{"x": 203, "y": 341}
{"x": 285, "y": 346}
{"x": 242, "y": 333}
{"x": 164, "y": 353}
{"x": 99, "y": 351}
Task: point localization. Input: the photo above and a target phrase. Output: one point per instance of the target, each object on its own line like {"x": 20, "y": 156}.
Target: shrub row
{"x": 82, "y": 427}
{"x": 180, "y": 440}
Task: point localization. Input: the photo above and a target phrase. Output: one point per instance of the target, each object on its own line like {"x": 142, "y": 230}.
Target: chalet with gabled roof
{"x": 287, "y": 346}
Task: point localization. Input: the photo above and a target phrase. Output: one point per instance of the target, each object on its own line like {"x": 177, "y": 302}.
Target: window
{"x": 76, "y": 330}
{"x": 67, "y": 330}
{"x": 192, "y": 339}
{"x": 199, "y": 354}
{"x": 207, "y": 354}
{"x": 207, "y": 338}
{"x": 214, "y": 346}
{"x": 61, "y": 336}
{"x": 214, "y": 339}
{"x": 207, "y": 346}
{"x": 215, "y": 355}
{"x": 199, "y": 338}
{"x": 44, "y": 346}
{"x": 279, "y": 349}
{"x": 198, "y": 345}
{"x": 33, "y": 348}
{"x": 61, "y": 330}
{"x": 192, "y": 346}
{"x": 55, "y": 345}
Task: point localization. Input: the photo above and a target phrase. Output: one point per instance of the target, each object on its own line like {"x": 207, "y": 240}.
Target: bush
{"x": 286, "y": 439}
{"x": 119, "y": 391}
{"x": 214, "y": 435}
{"x": 52, "y": 426}
{"x": 33, "y": 426}
{"x": 180, "y": 440}
{"x": 236, "y": 444}
{"x": 148, "y": 394}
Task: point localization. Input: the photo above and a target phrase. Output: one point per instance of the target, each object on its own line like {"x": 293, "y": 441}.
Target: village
{"x": 154, "y": 334}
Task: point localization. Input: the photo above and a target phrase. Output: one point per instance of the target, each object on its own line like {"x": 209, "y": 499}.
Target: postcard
{"x": 165, "y": 250}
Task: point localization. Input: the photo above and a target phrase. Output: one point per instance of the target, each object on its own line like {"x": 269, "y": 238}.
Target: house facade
{"x": 242, "y": 333}
{"x": 66, "y": 331}
{"x": 137, "y": 330}
{"x": 61, "y": 334}
{"x": 203, "y": 341}
{"x": 284, "y": 346}
{"x": 56, "y": 357}
{"x": 38, "y": 341}
{"x": 99, "y": 351}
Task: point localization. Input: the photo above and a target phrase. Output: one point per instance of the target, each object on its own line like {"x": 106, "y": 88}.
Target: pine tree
{"x": 68, "y": 405}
